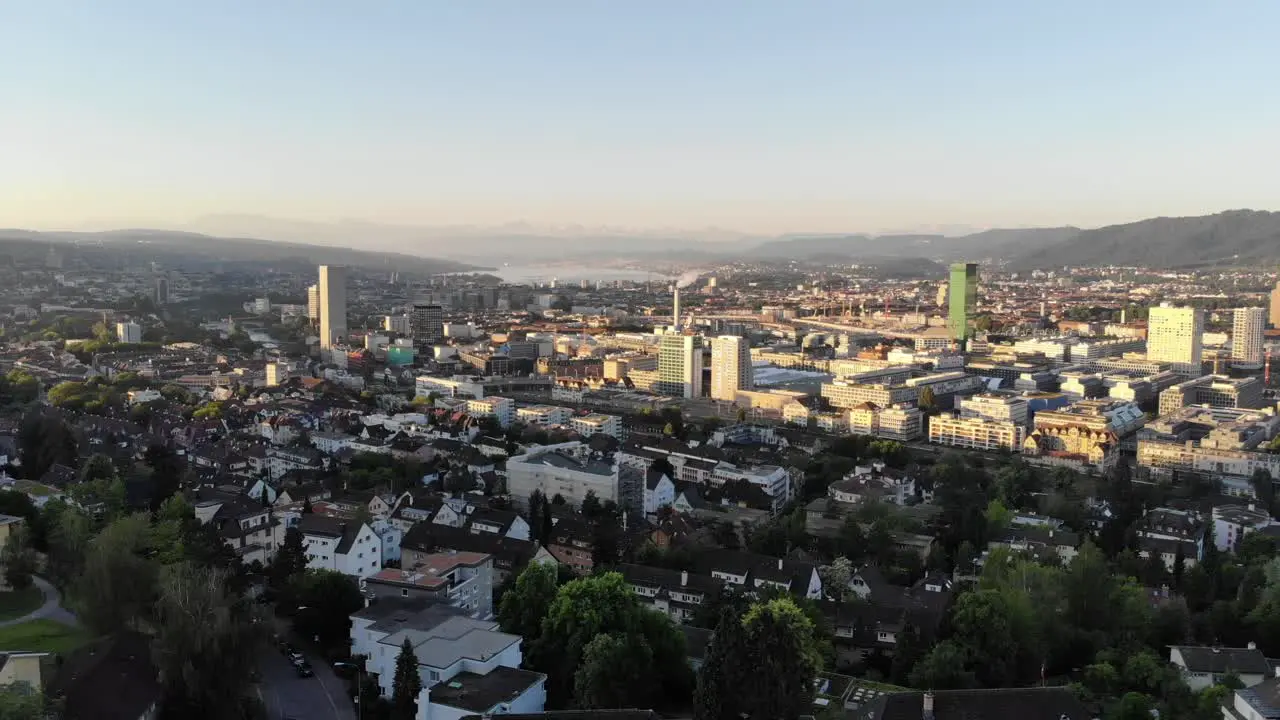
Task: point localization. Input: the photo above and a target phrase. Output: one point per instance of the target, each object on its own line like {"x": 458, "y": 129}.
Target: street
{"x": 288, "y": 696}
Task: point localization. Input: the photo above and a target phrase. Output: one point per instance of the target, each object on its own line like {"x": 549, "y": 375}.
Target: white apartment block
{"x": 277, "y": 373}
{"x": 731, "y": 368}
{"x": 566, "y": 470}
{"x": 1002, "y": 408}
{"x": 544, "y": 415}
{"x": 128, "y": 332}
{"x": 1175, "y": 335}
{"x": 1246, "y": 335}
{"x": 501, "y": 409}
{"x": 976, "y": 433}
{"x": 588, "y": 425}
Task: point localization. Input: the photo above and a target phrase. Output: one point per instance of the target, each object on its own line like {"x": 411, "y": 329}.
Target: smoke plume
{"x": 687, "y": 279}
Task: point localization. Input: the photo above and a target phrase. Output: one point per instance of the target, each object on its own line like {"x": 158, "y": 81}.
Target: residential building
{"x": 680, "y": 366}
{"x": 1218, "y": 391}
{"x": 731, "y": 368}
{"x": 398, "y": 324}
{"x": 1174, "y": 335}
{"x": 1232, "y": 522}
{"x": 1260, "y": 702}
{"x": 128, "y": 332}
{"x": 349, "y": 547}
{"x": 963, "y": 297}
{"x": 659, "y": 491}
{"x": 1041, "y": 703}
{"x": 467, "y": 666}
{"x": 499, "y": 408}
{"x": 1246, "y": 336}
{"x": 1091, "y": 431}
{"x": 544, "y": 415}
{"x": 333, "y": 305}
{"x": 277, "y": 373}
{"x": 313, "y": 303}
{"x": 1275, "y": 305}
{"x": 588, "y": 425}
{"x": 461, "y": 579}
{"x": 992, "y": 406}
{"x": 426, "y": 324}
{"x": 1202, "y": 667}
{"x": 510, "y": 556}
{"x": 976, "y": 433}
{"x": 570, "y": 470}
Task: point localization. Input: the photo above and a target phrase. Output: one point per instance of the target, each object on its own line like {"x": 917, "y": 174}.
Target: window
{"x": 404, "y": 592}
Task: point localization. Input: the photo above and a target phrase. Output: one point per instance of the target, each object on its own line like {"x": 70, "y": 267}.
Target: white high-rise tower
{"x": 1246, "y": 335}
{"x": 730, "y": 367}
{"x": 333, "y": 305}
{"x": 1176, "y": 335}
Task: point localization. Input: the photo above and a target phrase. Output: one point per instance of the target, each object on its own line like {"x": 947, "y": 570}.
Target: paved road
{"x": 288, "y": 696}
{"x": 51, "y": 609}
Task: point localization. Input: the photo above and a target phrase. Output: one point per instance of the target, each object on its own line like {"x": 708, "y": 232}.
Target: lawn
{"x": 42, "y": 636}
{"x": 16, "y": 603}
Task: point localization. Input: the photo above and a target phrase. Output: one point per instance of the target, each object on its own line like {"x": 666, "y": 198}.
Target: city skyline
{"x": 758, "y": 117}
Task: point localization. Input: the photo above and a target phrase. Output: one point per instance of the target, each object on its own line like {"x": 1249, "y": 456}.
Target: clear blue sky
{"x": 758, "y": 115}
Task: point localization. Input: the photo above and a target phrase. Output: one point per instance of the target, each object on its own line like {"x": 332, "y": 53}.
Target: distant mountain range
{"x": 1235, "y": 237}
{"x": 1230, "y": 238}
{"x": 168, "y": 247}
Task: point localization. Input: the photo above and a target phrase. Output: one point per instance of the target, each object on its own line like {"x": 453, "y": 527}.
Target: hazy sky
{"x": 766, "y": 115}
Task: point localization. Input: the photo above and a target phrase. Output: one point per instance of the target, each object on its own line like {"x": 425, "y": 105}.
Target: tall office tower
{"x": 1246, "y": 335}
{"x": 730, "y": 367}
{"x": 1275, "y": 305}
{"x": 680, "y": 366}
{"x": 313, "y": 304}
{"x": 128, "y": 332}
{"x": 1175, "y": 335}
{"x": 333, "y": 305}
{"x": 426, "y": 324}
{"x": 162, "y": 291}
{"x": 963, "y": 292}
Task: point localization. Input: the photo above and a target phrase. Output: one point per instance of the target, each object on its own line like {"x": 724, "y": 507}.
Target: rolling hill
{"x": 1235, "y": 237}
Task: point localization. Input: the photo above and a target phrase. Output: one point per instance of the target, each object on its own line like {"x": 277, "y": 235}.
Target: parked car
{"x": 303, "y": 668}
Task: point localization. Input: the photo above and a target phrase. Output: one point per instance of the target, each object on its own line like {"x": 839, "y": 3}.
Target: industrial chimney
{"x": 675, "y": 313}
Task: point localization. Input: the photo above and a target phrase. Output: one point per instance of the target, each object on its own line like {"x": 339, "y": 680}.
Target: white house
{"x": 659, "y": 491}
{"x": 331, "y": 443}
{"x": 1202, "y": 667}
{"x": 332, "y": 543}
{"x": 467, "y": 666}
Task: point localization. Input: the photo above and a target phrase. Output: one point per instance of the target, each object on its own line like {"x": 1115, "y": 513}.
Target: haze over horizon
{"x": 754, "y": 117}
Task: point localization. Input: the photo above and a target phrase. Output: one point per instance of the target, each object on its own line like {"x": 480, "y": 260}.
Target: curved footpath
{"x": 51, "y": 609}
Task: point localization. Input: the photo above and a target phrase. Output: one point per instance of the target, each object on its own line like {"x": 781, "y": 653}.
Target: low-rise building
{"x": 349, "y": 547}
{"x": 461, "y": 579}
{"x": 976, "y": 433}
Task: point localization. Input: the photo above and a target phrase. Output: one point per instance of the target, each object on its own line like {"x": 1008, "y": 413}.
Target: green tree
{"x": 835, "y": 577}
{"x": 406, "y": 685}
{"x": 19, "y": 560}
{"x": 20, "y": 701}
{"x": 524, "y": 606}
{"x": 118, "y": 582}
{"x": 68, "y": 544}
{"x": 205, "y": 643}
{"x": 603, "y": 604}
{"x": 783, "y": 660}
{"x": 290, "y": 561}
{"x": 722, "y": 675}
{"x": 741, "y": 415}
{"x": 324, "y": 601}
{"x": 945, "y": 667}
{"x": 616, "y": 671}
{"x": 45, "y": 440}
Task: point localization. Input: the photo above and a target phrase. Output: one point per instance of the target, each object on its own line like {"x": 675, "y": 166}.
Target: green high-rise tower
{"x": 963, "y": 290}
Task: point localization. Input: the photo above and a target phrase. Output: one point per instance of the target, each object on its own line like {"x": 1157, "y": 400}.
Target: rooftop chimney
{"x": 684, "y": 578}
{"x": 779, "y": 563}
{"x": 926, "y": 706}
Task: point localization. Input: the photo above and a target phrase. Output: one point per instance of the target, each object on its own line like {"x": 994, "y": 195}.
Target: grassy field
{"x": 42, "y": 636}
{"x": 15, "y": 604}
